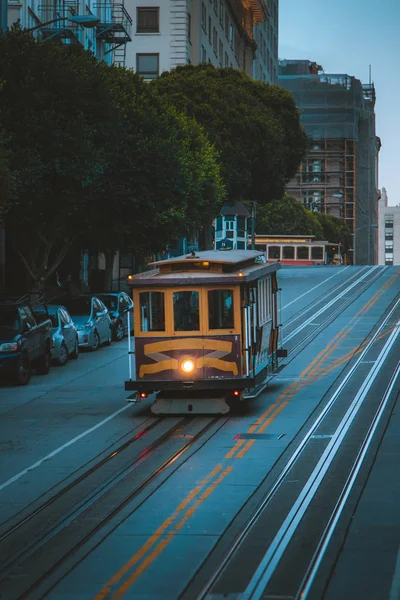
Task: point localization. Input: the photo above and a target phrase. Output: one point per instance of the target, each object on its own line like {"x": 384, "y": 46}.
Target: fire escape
{"x": 115, "y": 29}
{"x": 62, "y": 29}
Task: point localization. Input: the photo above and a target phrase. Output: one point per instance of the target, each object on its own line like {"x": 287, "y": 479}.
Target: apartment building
{"x": 389, "y": 232}
{"x": 103, "y": 27}
{"x": 340, "y": 173}
{"x": 242, "y": 34}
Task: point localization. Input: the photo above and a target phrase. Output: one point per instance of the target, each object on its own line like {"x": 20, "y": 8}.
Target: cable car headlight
{"x": 187, "y": 365}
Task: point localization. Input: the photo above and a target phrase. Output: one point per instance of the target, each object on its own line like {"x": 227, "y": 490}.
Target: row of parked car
{"x": 34, "y": 334}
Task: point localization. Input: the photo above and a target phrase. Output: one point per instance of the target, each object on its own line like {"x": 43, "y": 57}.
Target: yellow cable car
{"x": 206, "y": 330}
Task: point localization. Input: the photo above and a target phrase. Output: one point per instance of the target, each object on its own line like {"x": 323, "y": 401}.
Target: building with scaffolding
{"x": 340, "y": 173}
{"x": 242, "y": 34}
{"x": 103, "y": 27}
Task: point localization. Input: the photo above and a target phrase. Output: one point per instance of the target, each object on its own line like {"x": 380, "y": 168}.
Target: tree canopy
{"x": 288, "y": 217}
{"x": 254, "y": 126}
{"x": 95, "y": 156}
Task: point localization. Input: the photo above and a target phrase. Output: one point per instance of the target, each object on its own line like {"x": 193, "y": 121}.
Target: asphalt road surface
{"x": 295, "y": 496}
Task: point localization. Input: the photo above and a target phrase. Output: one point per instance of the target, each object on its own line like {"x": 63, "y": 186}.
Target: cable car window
{"x": 220, "y": 309}
{"x": 152, "y": 311}
{"x": 288, "y": 252}
{"x": 186, "y": 311}
{"x": 274, "y": 252}
{"x": 317, "y": 252}
{"x": 302, "y": 252}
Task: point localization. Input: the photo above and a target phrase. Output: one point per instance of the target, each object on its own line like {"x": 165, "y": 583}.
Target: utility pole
{"x": 253, "y": 206}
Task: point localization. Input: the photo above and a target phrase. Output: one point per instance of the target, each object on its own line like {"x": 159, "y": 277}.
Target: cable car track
{"x": 281, "y": 535}
{"x": 71, "y": 517}
{"x": 317, "y": 329}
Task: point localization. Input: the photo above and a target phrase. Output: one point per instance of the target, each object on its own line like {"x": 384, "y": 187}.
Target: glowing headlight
{"x": 187, "y": 366}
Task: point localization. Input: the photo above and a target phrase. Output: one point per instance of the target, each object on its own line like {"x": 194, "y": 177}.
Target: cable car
{"x": 206, "y": 330}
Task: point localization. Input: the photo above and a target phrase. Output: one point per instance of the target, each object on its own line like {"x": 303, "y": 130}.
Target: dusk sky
{"x": 346, "y": 36}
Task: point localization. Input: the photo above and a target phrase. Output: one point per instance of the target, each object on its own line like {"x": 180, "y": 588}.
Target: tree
{"x": 335, "y": 231}
{"x": 288, "y": 217}
{"x": 6, "y": 181}
{"x": 58, "y": 119}
{"x": 162, "y": 179}
{"x": 254, "y": 126}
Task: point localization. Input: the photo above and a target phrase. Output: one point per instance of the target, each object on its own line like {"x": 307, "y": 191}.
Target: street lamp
{"x": 355, "y": 239}
{"x": 87, "y": 21}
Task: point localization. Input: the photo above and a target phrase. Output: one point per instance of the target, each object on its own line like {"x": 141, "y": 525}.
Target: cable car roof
{"x": 228, "y": 257}
{"x": 224, "y": 267}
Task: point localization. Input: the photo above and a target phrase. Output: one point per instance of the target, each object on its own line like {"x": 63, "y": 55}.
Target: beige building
{"x": 388, "y": 232}
{"x": 242, "y": 34}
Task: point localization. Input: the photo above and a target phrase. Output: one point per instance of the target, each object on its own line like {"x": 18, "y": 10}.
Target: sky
{"x": 346, "y": 36}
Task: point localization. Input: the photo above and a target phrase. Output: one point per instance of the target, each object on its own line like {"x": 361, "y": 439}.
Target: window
{"x": 216, "y": 6}
{"x": 303, "y": 253}
{"x": 189, "y": 27}
{"x": 264, "y": 300}
{"x": 147, "y": 65}
{"x": 203, "y": 16}
{"x": 209, "y": 30}
{"x": 221, "y": 53}
{"x": 389, "y": 223}
{"x": 274, "y": 252}
{"x": 63, "y": 319}
{"x": 227, "y": 25}
{"x": 226, "y": 60}
{"x": 389, "y": 245}
{"x": 152, "y": 311}
{"x": 203, "y": 54}
{"x": 317, "y": 253}
{"x": 221, "y": 13}
{"x": 231, "y": 35}
{"x": 288, "y": 252}
{"x": 186, "y": 311}
{"x": 27, "y": 318}
{"x": 313, "y": 200}
{"x": 220, "y": 309}
{"x": 388, "y": 261}
{"x": 66, "y": 316}
{"x": 148, "y": 20}
{"x": 215, "y": 41}
{"x": 388, "y": 235}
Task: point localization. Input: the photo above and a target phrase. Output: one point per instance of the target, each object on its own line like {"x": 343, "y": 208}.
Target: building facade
{"x": 242, "y": 34}
{"x": 103, "y": 27}
{"x": 389, "y": 232}
{"x": 340, "y": 173}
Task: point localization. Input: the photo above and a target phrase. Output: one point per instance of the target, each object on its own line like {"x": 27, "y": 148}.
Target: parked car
{"x": 119, "y": 306}
{"x": 90, "y": 317}
{"x": 65, "y": 336}
{"x": 25, "y": 338}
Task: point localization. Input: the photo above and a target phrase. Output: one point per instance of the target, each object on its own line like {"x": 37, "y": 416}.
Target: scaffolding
{"x": 338, "y": 176}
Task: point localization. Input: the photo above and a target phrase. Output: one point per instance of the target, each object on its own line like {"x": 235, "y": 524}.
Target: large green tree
{"x": 163, "y": 178}
{"x": 335, "y": 231}
{"x": 255, "y": 126}
{"x": 98, "y": 158}
{"x": 58, "y": 119}
{"x": 288, "y": 217}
